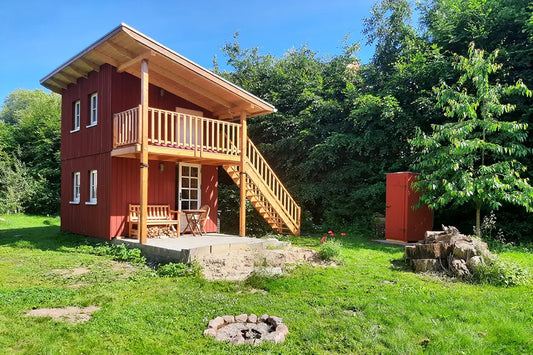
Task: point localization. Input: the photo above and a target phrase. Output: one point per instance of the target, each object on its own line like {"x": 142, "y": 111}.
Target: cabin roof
{"x": 125, "y": 47}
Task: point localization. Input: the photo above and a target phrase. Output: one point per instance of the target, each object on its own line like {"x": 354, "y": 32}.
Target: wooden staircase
{"x": 266, "y": 192}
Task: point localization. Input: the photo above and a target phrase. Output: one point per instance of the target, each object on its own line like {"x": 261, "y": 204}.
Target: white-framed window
{"x": 93, "y": 109}
{"x": 75, "y": 188}
{"x": 93, "y": 184}
{"x": 76, "y": 116}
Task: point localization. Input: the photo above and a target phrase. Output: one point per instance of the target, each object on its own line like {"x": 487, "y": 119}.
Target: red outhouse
{"x": 403, "y": 222}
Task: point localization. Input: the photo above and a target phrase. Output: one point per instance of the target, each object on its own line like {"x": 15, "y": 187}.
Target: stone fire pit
{"x": 247, "y": 329}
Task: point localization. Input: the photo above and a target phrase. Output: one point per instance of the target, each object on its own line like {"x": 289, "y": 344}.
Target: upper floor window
{"x": 93, "y": 183}
{"x": 76, "y": 116}
{"x": 76, "y": 188}
{"x": 93, "y": 111}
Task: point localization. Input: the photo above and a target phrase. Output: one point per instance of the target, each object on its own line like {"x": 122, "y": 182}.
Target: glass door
{"x": 189, "y": 186}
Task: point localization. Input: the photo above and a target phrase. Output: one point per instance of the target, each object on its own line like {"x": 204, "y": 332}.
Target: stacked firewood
{"x": 160, "y": 231}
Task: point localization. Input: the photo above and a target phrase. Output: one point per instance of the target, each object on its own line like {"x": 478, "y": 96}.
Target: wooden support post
{"x": 244, "y": 143}
{"x": 144, "y": 152}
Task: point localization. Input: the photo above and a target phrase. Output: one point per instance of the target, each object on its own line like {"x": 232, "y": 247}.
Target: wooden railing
{"x": 178, "y": 130}
{"x": 270, "y": 180}
{"x": 126, "y": 127}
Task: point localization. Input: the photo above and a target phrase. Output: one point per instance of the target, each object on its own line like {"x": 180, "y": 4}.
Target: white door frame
{"x": 199, "y": 187}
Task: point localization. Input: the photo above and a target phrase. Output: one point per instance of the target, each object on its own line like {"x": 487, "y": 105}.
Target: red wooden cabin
{"x": 144, "y": 125}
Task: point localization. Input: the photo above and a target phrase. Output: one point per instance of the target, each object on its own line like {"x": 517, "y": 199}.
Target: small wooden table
{"x": 193, "y": 221}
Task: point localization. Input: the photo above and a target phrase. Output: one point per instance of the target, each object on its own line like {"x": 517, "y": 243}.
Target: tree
{"x": 16, "y": 185}
{"x": 30, "y": 120}
{"x": 475, "y": 158}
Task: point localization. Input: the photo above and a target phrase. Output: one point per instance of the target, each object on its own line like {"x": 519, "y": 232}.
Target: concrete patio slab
{"x": 187, "y": 247}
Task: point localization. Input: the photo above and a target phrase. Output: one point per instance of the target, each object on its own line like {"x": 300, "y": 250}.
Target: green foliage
{"x": 31, "y": 123}
{"x": 500, "y": 273}
{"x": 17, "y": 186}
{"x": 474, "y": 159}
{"x": 331, "y": 250}
{"x": 333, "y": 310}
{"x": 180, "y": 270}
{"x": 118, "y": 252}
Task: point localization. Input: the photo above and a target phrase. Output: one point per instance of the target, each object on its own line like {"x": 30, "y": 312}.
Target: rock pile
{"x": 447, "y": 251}
{"x": 247, "y": 329}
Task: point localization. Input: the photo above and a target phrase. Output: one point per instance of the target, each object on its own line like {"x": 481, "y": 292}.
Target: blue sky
{"x": 38, "y": 36}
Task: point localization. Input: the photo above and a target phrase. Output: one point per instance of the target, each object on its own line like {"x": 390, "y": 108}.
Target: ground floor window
{"x": 76, "y": 187}
{"x": 93, "y": 183}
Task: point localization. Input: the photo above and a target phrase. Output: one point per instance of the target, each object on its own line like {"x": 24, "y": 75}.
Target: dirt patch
{"x": 67, "y": 273}
{"x": 123, "y": 267}
{"x": 78, "y": 285}
{"x": 239, "y": 265}
{"x": 72, "y": 315}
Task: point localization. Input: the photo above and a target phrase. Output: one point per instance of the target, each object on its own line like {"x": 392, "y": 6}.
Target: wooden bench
{"x": 158, "y": 215}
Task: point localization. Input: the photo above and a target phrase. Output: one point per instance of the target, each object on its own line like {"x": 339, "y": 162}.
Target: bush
{"x": 118, "y": 252}
{"x": 180, "y": 270}
{"x": 330, "y": 250}
{"x": 500, "y": 273}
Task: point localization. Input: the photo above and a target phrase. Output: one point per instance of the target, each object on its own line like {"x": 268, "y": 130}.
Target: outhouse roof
{"x": 125, "y": 47}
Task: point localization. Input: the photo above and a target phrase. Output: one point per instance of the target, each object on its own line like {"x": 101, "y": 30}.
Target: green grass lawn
{"x": 345, "y": 309}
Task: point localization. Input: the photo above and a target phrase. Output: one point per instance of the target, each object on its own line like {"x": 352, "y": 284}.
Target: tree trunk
{"x": 478, "y": 220}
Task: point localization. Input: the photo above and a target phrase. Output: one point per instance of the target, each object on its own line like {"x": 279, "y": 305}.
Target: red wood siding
{"x": 92, "y": 140}
{"x": 126, "y": 94}
{"x": 91, "y": 220}
{"x": 125, "y": 189}
{"x": 210, "y": 195}
{"x": 118, "y": 178}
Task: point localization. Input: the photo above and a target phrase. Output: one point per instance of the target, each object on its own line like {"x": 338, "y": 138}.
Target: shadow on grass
{"x": 46, "y": 237}
{"x": 354, "y": 242}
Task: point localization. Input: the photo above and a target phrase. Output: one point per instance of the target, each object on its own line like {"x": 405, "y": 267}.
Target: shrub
{"x": 330, "y": 250}
{"x": 500, "y": 273}
{"x": 118, "y": 252}
{"x": 180, "y": 270}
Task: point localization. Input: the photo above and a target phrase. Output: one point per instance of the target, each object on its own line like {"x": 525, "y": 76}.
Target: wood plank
{"x": 59, "y": 83}
{"x": 78, "y": 70}
{"x": 244, "y": 140}
{"x": 90, "y": 64}
{"x": 121, "y": 49}
{"x": 105, "y": 58}
{"x": 70, "y": 78}
{"x": 146, "y": 55}
{"x": 181, "y": 91}
{"x": 198, "y": 70}
{"x": 190, "y": 85}
{"x": 144, "y": 152}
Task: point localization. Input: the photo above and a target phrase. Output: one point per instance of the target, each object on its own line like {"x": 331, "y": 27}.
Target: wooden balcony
{"x": 172, "y": 134}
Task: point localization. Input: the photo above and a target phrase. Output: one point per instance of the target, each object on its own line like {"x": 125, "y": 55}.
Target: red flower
{"x": 323, "y": 240}
{"x": 330, "y": 232}
{"x": 343, "y": 234}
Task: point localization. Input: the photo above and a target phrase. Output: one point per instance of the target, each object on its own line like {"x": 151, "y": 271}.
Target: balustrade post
{"x": 244, "y": 143}
{"x": 144, "y": 152}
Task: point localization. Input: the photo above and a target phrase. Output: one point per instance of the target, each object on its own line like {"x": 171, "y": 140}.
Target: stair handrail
{"x": 283, "y": 192}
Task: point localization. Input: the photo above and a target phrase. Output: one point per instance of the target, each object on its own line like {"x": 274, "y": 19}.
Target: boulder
{"x": 252, "y": 318}
{"x": 210, "y": 332}
{"x": 274, "y": 321}
{"x": 216, "y": 323}
{"x": 241, "y": 318}
{"x": 282, "y": 328}
{"x": 228, "y": 319}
